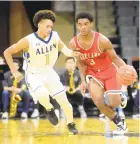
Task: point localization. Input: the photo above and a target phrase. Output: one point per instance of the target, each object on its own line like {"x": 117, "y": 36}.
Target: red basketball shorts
{"x": 106, "y": 78}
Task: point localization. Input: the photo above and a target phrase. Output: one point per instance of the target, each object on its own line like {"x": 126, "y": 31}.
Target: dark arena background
{"x": 117, "y": 20}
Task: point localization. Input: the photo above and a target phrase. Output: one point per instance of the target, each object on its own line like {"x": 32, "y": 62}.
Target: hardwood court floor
{"x": 91, "y": 131}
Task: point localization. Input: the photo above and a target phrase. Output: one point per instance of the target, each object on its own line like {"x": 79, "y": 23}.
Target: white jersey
{"x": 42, "y": 53}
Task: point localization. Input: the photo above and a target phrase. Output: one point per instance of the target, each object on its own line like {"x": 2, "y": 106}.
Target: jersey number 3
{"x": 92, "y": 62}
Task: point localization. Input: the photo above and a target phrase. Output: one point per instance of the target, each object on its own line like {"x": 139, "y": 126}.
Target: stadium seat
{"x": 129, "y": 42}
{"x": 124, "y": 4}
{"x": 123, "y": 21}
{"x": 125, "y": 12}
{"x": 128, "y": 31}
{"x": 128, "y": 52}
{"x": 137, "y": 21}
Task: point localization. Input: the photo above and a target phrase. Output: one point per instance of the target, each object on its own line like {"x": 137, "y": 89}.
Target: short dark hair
{"x": 16, "y": 61}
{"x": 84, "y": 15}
{"x": 68, "y": 58}
{"x": 43, "y": 14}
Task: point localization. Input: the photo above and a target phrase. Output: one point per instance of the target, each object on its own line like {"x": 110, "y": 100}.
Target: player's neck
{"x": 88, "y": 36}
{"x": 40, "y": 34}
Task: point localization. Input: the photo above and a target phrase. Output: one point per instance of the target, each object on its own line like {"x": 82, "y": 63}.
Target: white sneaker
{"x": 82, "y": 112}
{"x": 5, "y": 115}
{"x": 24, "y": 115}
{"x": 121, "y": 128}
{"x": 35, "y": 113}
{"x": 101, "y": 115}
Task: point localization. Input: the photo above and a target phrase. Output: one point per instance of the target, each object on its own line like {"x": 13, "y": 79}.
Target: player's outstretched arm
{"x": 106, "y": 45}
{"x": 20, "y": 45}
{"x": 67, "y": 52}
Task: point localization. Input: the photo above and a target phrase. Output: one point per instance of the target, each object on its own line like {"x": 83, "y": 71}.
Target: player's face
{"x": 84, "y": 26}
{"x": 46, "y": 27}
{"x": 70, "y": 64}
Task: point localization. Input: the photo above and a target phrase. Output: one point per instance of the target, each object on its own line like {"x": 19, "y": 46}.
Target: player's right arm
{"x": 81, "y": 67}
{"x": 22, "y": 44}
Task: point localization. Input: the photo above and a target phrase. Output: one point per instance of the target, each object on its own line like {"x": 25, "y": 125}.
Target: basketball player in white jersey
{"x": 41, "y": 52}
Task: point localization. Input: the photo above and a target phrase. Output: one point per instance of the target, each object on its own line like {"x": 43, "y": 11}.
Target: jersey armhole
{"x": 73, "y": 41}
{"x": 56, "y": 36}
{"x": 99, "y": 44}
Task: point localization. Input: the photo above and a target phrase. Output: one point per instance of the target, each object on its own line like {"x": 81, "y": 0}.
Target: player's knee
{"x": 114, "y": 100}
{"x": 99, "y": 103}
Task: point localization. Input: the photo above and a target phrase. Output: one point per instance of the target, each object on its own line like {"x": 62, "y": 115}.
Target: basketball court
{"x": 91, "y": 131}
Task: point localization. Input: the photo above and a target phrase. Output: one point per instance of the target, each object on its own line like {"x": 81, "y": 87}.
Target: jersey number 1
{"x": 47, "y": 59}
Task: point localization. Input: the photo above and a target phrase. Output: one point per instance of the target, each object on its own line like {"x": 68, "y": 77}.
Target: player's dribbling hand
{"x": 83, "y": 87}
{"x": 18, "y": 76}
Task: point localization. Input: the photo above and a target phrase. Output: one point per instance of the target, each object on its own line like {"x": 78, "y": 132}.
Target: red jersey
{"x": 93, "y": 58}
{"x": 99, "y": 66}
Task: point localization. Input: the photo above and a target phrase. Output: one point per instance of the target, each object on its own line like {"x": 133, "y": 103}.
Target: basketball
{"x": 127, "y": 75}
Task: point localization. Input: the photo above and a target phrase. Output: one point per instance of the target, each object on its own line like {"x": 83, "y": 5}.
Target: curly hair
{"x": 43, "y": 14}
{"x": 84, "y": 15}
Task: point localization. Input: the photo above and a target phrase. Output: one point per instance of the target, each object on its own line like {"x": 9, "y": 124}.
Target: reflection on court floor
{"x": 91, "y": 131}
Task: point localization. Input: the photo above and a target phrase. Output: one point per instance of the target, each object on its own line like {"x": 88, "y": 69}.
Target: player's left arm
{"x": 63, "y": 48}
{"x": 67, "y": 51}
{"x": 106, "y": 46}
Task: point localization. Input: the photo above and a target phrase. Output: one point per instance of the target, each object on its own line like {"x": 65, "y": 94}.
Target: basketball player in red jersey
{"x": 98, "y": 63}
